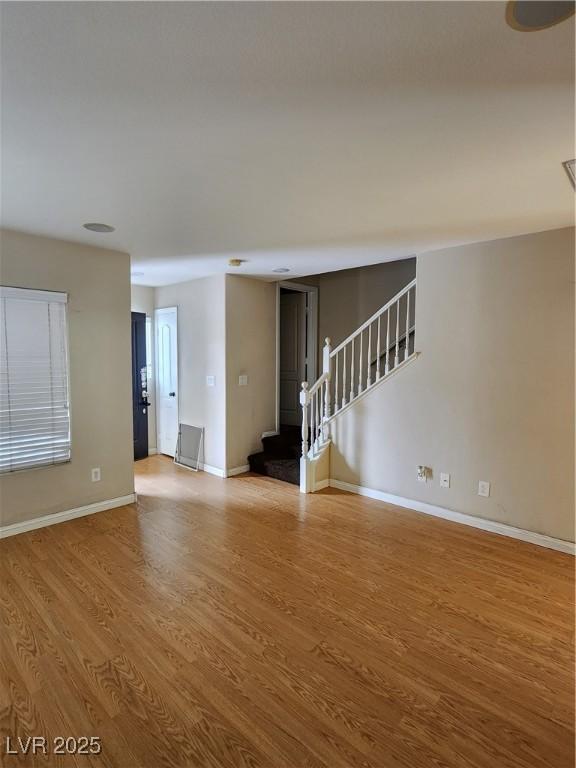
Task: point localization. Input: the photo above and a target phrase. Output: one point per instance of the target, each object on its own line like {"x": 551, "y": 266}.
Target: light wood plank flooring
{"x": 239, "y": 623}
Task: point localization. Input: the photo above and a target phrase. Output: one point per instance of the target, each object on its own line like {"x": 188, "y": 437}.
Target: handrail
{"x": 315, "y": 387}
{"x": 374, "y": 317}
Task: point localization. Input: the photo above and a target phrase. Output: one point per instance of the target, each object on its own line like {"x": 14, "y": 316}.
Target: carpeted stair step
{"x": 281, "y": 456}
{"x": 284, "y": 469}
{"x": 282, "y": 446}
{"x": 257, "y": 462}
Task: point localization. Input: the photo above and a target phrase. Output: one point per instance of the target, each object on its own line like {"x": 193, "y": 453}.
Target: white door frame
{"x": 311, "y": 341}
{"x": 158, "y": 312}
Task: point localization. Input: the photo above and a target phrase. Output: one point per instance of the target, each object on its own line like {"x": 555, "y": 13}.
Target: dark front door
{"x": 139, "y": 385}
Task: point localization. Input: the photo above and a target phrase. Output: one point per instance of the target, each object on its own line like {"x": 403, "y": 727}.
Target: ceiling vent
{"x": 570, "y": 167}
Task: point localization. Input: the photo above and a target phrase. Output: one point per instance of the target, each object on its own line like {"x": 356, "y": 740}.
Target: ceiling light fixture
{"x": 235, "y": 262}
{"x": 570, "y": 168}
{"x": 137, "y": 274}
{"x": 281, "y": 270}
{"x": 534, "y": 15}
{"x": 95, "y": 226}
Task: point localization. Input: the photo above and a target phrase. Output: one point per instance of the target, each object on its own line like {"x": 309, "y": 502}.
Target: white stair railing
{"x": 364, "y": 359}
{"x": 374, "y": 349}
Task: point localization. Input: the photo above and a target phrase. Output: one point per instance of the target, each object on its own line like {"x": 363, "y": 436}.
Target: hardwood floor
{"x": 239, "y": 623}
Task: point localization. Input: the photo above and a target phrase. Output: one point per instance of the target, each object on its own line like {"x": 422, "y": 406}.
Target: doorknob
{"x": 171, "y": 394}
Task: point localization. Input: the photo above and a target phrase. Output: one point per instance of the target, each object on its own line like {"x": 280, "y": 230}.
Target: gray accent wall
{"x": 348, "y": 297}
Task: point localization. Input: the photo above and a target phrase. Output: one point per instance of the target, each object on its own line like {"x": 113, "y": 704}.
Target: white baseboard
{"x": 238, "y": 470}
{"x": 321, "y": 484}
{"x": 270, "y": 433}
{"x": 62, "y": 517}
{"x": 492, "y": 526}
{"x": 152, "y": 451}
{"x": 217, "y": 471}
{"x": 213, "y": 470}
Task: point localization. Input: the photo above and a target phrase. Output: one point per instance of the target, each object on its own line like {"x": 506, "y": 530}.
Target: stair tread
{"x": 279, "y": 467}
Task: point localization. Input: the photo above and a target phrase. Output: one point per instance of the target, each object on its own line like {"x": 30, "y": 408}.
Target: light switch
{"x": 243, "y": 380}
{"x": 210, "y": 381}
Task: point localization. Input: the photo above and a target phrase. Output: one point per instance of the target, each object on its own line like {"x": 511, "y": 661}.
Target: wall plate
{"x": 483, "y": 488}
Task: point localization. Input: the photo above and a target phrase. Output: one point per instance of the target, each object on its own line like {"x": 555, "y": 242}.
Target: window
{"x": 34, "y": 408}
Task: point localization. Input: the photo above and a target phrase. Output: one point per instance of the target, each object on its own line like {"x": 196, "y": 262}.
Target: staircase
{"x": 380, "y": 347}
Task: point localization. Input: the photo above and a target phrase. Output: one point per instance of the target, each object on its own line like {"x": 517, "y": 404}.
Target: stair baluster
{"x": 407, "y": 338}
{"x": 378, "y": 352}
{"x": 352, "y": 372}
{"x": 360, "y": 363}
{"x": 387, "y": 366}
{"x": 344, "y": 379}
{"x": 369, "y": 359}
{"x": 397, "y": 352}
{"x": 337, "y": 367}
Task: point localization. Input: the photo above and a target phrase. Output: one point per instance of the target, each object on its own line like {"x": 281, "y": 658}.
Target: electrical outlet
{"x": 210, "y": 381}
{"x": 444, "y": 480}
{"x": 483, "y": 488}
{"x": 243, "y": 380}
{"x": 96, "y": 474}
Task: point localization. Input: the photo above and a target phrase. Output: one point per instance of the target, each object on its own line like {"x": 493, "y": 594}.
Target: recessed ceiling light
{"x": 534, "y": 15}
{"x": 97, "y": 227}
{"x": 570, "y": 168}
{"x": 137, "y": 274}
{"x": 281, "y": 269}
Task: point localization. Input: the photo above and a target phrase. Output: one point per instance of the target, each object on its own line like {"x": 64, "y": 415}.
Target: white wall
{"x": 226, "y": 327}
{"x": 251, "y": 351}
{"x": 98, "y": 284}
{"x": 201, "y": 353}
{"x": 491, "y": 396}
{"x": 143, "y": 301}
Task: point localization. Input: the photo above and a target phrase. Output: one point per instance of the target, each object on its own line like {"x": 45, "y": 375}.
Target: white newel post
{"x": 326, "y": 369}
{"x": 304, "y": 484}
{"x": 327, "y": 394}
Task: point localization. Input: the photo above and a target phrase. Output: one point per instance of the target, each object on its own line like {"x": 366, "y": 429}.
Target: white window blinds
{"x": 34, "y": 408}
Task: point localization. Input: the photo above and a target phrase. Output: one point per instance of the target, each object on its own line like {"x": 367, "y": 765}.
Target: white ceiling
{"x": 314, "y": 136}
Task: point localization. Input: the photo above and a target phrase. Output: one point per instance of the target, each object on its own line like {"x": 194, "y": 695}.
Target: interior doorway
{"x": 297, "y": 348}
{"x": 167, "y": 379}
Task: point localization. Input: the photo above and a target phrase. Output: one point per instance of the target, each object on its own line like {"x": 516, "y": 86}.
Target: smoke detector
{"x": 96, "y": 226}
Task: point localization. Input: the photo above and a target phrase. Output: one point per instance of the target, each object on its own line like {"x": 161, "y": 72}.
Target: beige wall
{"x": 250, "y": 350}
{"x": 348, "y": 297}
{"x": 491, "y": 396}
{"x": 201, "y": 352}
{"x": 143, "y": 301}
{"x": 98, "y": 284}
